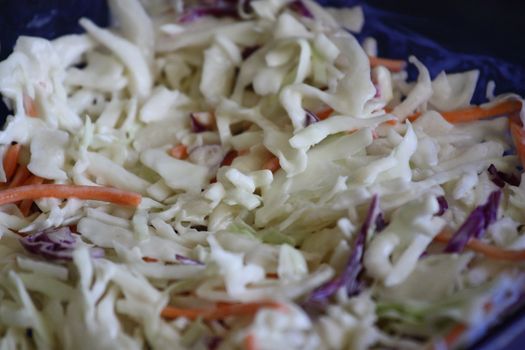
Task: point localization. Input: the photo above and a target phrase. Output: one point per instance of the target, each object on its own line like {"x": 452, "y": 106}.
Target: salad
{"x": 247, "y": 175}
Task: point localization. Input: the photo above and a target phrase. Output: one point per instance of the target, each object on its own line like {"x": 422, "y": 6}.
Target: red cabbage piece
{"x": 213, "y": 11}
{"x": 200, "y": 121}
{"x": 491, "y": 209}
{"x": 380, "y": 222}
{"x": 55, "y": 244}
{"x": 500, "y": 178}
{"x": 184, "y": 260}
{"x": 196, "y": 127}
{"x": 310, "y": 118}
{"x": 443, "y": 205}
{"x": 476, "y": 223}
{"x": 299, "y": 7}
{"x": 354, "y": 264}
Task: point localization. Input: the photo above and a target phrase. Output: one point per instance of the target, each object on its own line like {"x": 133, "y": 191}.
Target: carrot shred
{"x": 474, "y": 113}
{"x": 515, "y": 117}
{"x": 106, "y": 194}
{"x": 324, "y": 113}
{"x": 488, "y": 306}
{"x": 391, "y": 122}
{"x": 272, "y": 164}
{"x": 487, "y": 250}
{"x": 229, "y": 157}
{"x": 220, "y": 311}
{"x": 450, "y": 339}
{"x": 30, "y": 106}
{"x": 21, "y": 175}
{"x": 416, "y": 115}
{"x": 250, "y": 342}
{"x": 149, "y": 260}
{"x": 454, "y": 334}
{"x": 34, "y": 180}
{"x": 518, "y": 135}
{"x": 390, "y": 64}
{"x": 179, "y": 152}
{"x": 25, "y": 205}
{"x": 11, "y": 159}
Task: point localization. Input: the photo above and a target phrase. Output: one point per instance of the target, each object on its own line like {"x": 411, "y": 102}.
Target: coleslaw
{"x": 246, "y": 175}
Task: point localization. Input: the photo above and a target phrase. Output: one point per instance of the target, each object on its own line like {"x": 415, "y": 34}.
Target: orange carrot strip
{"x": 515, "y": 117}
{"x": 518, "y": 135}
{"x": 11, "y": 160}
{"x": 34, "y": 180}
{"x": 488, "y": 250}
{"x": 179, "y": 152}
{"x": 391, "y": 122}
{"x": 474, "y": 113}
{"x": 25, "y": 205}
{"x": 272, "y": 275}
{"x": 390, "y": 64}
{"x": 488, "y": 306}
{"x": 324, "y": 113}
{"x": 21, "y": 175}
{"x": 416, "y": 115}
{"x": 106, "y": 194}
{"x": 229, "y": 157}
{"x": 149, "y": 260}
{"x": 250, "y": 342}
{"x": 272, "y": 164}
{"x": 454, "y": 334}
{"x": 30, "y": 106}
{"x": 219, "y": 312}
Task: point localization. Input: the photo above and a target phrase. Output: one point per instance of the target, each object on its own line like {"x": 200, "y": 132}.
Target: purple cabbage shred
{"x": 500, "y": 178}
{"x": 476, "y": 223}
{"x": 214, "y": 11}
{"x": 299, "y": 7}
{"x": 196, "y": 125}
{"x": 310, "y": 118}
{"x": 55, "y": 244}
{"x": 380, "y": 222}
{"x": 354, "y": 264}
{"x": 443, "y": 205}
{"x": 184, "y": 260}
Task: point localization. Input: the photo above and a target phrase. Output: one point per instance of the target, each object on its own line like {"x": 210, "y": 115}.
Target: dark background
{"x": 449, "y": 35}
{"x": 489, "y": 27}
{"x": 45, "y": 18}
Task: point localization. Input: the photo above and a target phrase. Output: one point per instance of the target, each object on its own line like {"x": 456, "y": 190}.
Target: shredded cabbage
{"x": 256, "y": 143}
